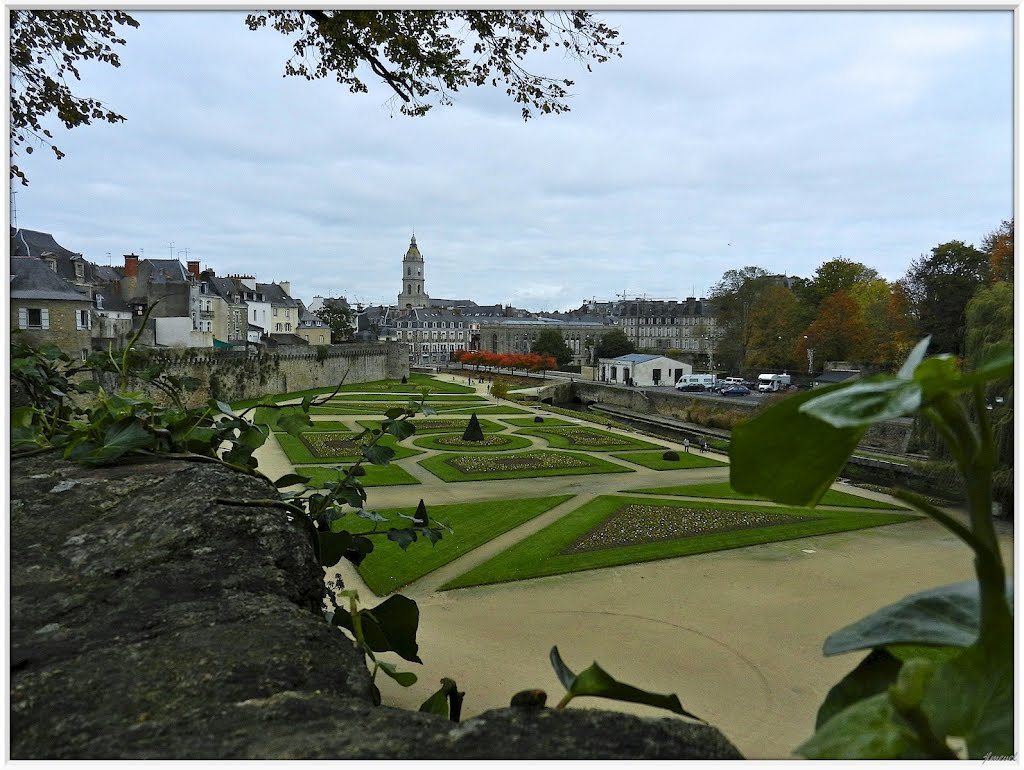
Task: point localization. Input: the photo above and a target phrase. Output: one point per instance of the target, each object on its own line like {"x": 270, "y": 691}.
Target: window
{"x": 277, "y": 327}
{"x": 321, "y": 339}
{"x": 287, "y": 327}
{"x": 275, "y": 312}
{"x": 82, "y": 320}
{"x": 79, "y": 271}
{"x": 33, "y": 318}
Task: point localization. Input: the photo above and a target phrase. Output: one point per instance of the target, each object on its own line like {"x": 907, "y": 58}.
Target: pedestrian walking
{"x": 686, "y": 445}
{"x": 703, "y": 447}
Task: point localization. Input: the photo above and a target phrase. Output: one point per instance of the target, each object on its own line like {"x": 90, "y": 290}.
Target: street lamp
{"x": 810, "y": 355}
{"x": 710, "y": 340}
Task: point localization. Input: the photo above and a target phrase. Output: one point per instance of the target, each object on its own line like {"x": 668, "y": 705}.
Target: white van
{"x": 706, "y": 380}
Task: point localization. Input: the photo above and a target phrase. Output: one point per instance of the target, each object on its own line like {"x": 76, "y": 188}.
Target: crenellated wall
{"x": 234, "y": 376}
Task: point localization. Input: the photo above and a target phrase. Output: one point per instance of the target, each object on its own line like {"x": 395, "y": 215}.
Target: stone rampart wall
{"x": 233, "y": 376}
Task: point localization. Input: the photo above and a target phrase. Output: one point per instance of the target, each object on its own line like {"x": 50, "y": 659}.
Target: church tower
{"x": 414, "y": 292}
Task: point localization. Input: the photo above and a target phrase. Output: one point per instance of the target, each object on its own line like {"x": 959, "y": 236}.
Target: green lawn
{"x": 388, "y": 567}
{"x": 376, "y": 475}
{"x": 354, "y": 407}
{"x": 493, "y": 409}
{"x": 415, "y": 384}
{"x": 654, "y": 460}
{"x": 529, "y": 422}
{"x": 541, "y": 554}
{"x": 437, "y": 441}
{"x": 585, "y": 438}
{"x": 299, "y": 453}
{"x": 439, "y": 398}
{"x": 532, "y": 464}
{"x": 723, "y": 490}
{"x": 440, "y": 425}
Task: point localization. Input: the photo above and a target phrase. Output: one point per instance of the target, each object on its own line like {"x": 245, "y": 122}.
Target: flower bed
{"x": 633, "y": 524}
{"x": 516, "y": 465}
{"x": 583, "y": 437}
{"x": 493, "y": 442}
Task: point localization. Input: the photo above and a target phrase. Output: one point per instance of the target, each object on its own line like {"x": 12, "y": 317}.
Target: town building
{"x": 47, "y": 310}
{"x": 414, "y": 290}
{"x": 657, "y": 326}
{"x": 518, "y": 335}
{"x": 641, "y": 369}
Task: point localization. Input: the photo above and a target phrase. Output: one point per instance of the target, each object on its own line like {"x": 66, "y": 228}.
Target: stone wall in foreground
{"x": 149, "y": 621}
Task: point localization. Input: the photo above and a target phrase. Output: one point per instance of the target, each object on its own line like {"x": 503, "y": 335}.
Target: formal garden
{"x": 465, "y": 436}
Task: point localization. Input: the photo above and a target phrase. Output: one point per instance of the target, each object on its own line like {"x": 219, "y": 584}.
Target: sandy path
{"x": 736, "y": 634}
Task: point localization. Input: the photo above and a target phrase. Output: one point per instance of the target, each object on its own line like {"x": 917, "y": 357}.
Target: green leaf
{"x": 404, "y": 678}
{"x": 438, "y": 702}
{"x": 916, "y": 356}
{"x": 872, "y": 676}
{"x": 404, "y": 537}
{"x": 394, "y": 412}
{"x": 563, "y": 672}
{"x": 594, "y": 681}
{"x": 364, "y": 514}
{"x": 869, "y": 729}
{"x": 971, "y": 696}
{"x": 998, "y": 365}
{"x": 222, "y": 407}
{"x": 333, "y": 546}
{"x": 289, "y": 479}
{"x": 378, "y": 455}
{"x": 252, "y": 437}
{"x": 391, "y": 627}
{"x": 908, "y": 690}
{"x": 21, "y": 417}
{"x": 866, "y": 402}
{"x": 789, "y": 456}
{"x": 938, "y": 374}
{"x": 948, "y": 616}
{"x": 400, "y": 429}
{"x": 294, "y": 424}
{"x": 429, "y": 411}
{"x": 118, "y": 439}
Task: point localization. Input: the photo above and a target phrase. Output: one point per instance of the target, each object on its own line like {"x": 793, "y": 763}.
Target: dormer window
{"x": 99, "y": 301}
{"x": 80, "y": 271}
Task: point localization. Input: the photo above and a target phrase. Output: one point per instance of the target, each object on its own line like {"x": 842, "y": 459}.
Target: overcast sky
{"x": 720, "y": 139}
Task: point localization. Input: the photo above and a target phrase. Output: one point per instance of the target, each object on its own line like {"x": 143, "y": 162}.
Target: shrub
{"x": 670, "y": 456}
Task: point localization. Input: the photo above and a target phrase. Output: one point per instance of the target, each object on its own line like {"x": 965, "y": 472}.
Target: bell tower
{"x": 414, "y": 292}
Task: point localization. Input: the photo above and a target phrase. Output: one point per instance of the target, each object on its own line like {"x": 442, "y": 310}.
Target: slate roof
{"x": 460, "y": 303}
{"x": 165, "y": 270}
{"x": 286, "y": 339}
{"x": 31, "y": 278}
{"x": 226, "y": 289}
{"x": 275, "y": 295}
{"x": 32, "y": 243}
{"x": 111, "y": 298}
{"x": 637, "y": 358}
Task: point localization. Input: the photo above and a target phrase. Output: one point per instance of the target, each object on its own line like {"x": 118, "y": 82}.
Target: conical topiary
{"x": 473, "y": 430}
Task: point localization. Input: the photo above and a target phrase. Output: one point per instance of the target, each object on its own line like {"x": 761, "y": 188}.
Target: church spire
{"x": 413, "y": 293}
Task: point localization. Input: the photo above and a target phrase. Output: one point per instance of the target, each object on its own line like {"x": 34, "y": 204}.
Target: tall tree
{"x": 839, "y": 274}
{"x": 772, "y": 334}
{"x": 837, "y": 334}
{"x": 889, "y": 329}
{"x": 613, "y": 343}
{"x": 551, "y": 343}
{"x": 422, "y": 56}
{"x": 46, "y": 47}
{"x": 999, "y": 247}
{"x": 339, "y": 319}
{"x": 940, "y": 285}
{"x": 734, "y": 298}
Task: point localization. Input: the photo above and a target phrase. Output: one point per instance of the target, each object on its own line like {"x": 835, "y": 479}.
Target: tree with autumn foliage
{"x": 888, "y": 323}
{"x": 770, "y": 343}
{"x": 837, "y": 334}
{"x": 999, "y": 247}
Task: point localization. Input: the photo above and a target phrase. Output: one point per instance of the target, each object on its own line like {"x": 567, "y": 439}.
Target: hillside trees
{"x": 772, "y": 334}
{"x": 551, "y": 343}
{"x": 999, "y": 247}
{"x": 422, "y": 56}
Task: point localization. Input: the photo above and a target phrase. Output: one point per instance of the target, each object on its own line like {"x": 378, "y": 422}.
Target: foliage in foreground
{"x": 940, "y": 670}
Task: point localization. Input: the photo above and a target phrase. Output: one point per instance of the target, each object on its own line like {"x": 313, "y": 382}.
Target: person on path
{"x": 686, "y": 445}
{"x": 703, "y": 447}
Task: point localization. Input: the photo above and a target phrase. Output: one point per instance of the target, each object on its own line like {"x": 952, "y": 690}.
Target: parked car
{"x": 736, "y": 390}
{"x": 693, "y": 387}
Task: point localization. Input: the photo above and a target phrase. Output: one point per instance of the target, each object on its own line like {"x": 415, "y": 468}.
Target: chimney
{"x": 193, "y": 267}
{"x": 131, "y": 265}
{"x": 286, "y": 287}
